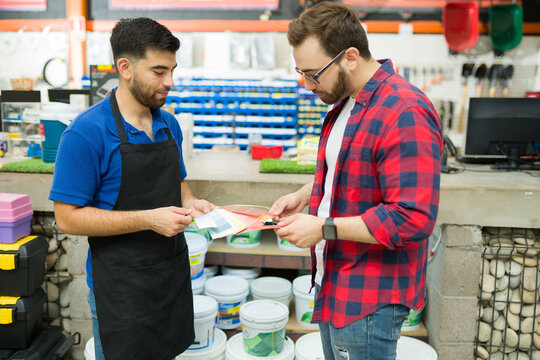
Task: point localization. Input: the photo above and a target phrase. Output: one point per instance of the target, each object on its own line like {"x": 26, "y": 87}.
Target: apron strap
{"x": 118, "y": 118}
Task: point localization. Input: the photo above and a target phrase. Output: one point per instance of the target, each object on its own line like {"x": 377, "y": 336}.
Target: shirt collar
{"x": 383, "y": 72}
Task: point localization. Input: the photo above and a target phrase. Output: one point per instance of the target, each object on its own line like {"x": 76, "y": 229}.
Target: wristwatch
{"x": 329, "y": 230}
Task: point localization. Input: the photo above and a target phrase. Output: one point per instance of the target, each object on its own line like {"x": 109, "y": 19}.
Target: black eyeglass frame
{"x": 315, "y": 77}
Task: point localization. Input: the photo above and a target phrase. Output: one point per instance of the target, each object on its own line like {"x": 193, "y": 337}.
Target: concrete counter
{"x": 479, "y": 197}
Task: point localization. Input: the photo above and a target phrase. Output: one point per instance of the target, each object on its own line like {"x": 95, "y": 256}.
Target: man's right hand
{"x": 169, "y": 221}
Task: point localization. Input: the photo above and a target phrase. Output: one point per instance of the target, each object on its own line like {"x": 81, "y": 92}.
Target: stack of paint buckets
{"x": 54, "y": 119}
{"x": 197, "y": 245}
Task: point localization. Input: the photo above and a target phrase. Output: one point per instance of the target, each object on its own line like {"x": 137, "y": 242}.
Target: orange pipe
{"x": 76, "y": 13}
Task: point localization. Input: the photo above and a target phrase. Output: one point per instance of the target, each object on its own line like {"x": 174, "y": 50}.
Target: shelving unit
{"x": 20, "y": 120}
{"x": 269, "y": 255}
{"x": 311, "y": 113}
{"x": 226, "y": 112}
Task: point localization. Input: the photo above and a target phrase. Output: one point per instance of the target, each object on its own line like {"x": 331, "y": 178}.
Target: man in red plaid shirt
{"x": 374, "y": 200}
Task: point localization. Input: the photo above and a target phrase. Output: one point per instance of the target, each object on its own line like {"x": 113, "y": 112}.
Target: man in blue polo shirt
{"x": 119, "y": 180}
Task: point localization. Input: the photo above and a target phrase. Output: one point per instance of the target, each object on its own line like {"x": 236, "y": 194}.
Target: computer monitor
{"x": 506, "y": 130}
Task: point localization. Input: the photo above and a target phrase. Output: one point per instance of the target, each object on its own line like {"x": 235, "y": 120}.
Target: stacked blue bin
{"x": 54, "y": 119}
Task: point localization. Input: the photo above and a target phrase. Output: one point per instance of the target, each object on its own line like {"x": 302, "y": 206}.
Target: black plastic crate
{"x": 22, "y": 266}
{"x": 20, "y": 319}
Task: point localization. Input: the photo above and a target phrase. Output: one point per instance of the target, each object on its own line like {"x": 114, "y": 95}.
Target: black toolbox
{"x": 20, "y": 319}
{"x": 22, "y": 266}
{"x": 51, "y": 344}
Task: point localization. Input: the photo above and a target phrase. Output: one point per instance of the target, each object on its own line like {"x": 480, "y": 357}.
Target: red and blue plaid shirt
{"x": 388, "y": 172}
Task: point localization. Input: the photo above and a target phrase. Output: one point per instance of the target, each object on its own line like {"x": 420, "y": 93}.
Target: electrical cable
{"x": 54, "y": 75}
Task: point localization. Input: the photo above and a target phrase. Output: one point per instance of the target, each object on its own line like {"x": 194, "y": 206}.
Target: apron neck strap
{"x": 118, "y": 118}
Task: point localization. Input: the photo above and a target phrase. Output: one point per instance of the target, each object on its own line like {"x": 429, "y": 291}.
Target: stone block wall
{"x": 452, "y": 292}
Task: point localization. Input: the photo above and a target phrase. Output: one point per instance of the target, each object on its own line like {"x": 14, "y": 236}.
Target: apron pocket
{"x": 154, "y": 287}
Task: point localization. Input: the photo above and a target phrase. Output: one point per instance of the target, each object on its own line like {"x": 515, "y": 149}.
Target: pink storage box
{"x": 14, "y": 207}
{"x": 10, "y": 232}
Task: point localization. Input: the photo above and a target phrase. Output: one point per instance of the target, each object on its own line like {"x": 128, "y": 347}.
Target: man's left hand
{"x": 301, "y": 230}
{"x": 201, "y": 206}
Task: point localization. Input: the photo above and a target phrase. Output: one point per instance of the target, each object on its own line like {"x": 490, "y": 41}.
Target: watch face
{"x": 329, "y": 232}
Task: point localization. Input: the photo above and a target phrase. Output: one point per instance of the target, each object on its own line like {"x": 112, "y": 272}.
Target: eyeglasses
{"x": 315, "y": 77}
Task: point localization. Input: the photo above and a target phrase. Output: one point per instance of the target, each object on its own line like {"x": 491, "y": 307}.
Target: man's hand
{"x": 288, "y": 205}
{"x": 169, "y": 221}
{"x": 301, "y": 230}
{"x": 201, "y": 206}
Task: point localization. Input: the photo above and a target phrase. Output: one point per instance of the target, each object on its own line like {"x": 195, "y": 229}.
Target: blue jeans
{"x": 95, "y": 329}
{"x": 374, "y": 337}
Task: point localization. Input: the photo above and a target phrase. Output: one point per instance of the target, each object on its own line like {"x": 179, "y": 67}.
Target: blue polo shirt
{"x": 88, "y": 167}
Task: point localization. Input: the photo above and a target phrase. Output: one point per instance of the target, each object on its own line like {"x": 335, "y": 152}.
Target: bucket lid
{"x": 215, "y": 351}
{"x": 226, "y": 285}
{"x": 204, "y": 306}
{"x": 309, "y": 346}
{"x": 196, "y": 243}
{"x": 302, "y": 284}
{"x": 409, "y": 348}
{"x": 271, "y": 286}
{"x": 235, "y": 350}
{"x": 263, "y": 311}
{"x": 249, "y": 273}
{"x": 64, "y": 113}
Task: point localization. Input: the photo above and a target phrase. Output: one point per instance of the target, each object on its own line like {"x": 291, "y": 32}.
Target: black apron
{"x": 142, "y": 281}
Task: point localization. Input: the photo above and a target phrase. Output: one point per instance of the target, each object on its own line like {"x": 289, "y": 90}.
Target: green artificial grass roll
{"x": 34, "y": 165}
{"x": 285, "y": 166}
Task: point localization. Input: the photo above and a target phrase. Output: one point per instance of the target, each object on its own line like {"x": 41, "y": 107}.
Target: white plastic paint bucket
{"x": 210, "y": 271}
{"x": 263, "y": 327}
{"x": 285, "y": 245}
{"x": 197, "y": 251}
{"x": 89, "y": 350}
{"x": 246, "y": 273}
{"x": 215, "y": 352}
{"x": 235, "y": 350}
{"x": 413, "y": 320}
{"x": 197, "y": 285}
{"x": 230, "y": 292}
{"x": 271, "y": 288}
{"x": 309, "y": 347}
{"x": 205, "y": 310}
{"x": 409, "y": 348}
{"x": 247, "y": 239}
{"x": 304, "y": 301}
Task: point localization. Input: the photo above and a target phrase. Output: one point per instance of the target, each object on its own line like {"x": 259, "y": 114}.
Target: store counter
{"x": 481, "y": 197}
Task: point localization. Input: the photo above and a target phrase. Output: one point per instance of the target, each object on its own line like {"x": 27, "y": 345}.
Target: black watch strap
{"x": 329, "y": 229}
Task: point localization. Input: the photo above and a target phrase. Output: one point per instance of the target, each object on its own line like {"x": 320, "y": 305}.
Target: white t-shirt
{"x": 332, "y": 151}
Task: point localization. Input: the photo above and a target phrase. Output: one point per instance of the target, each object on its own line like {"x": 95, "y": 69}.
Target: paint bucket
{"x": 197, "y": 246}
{"x": 197, "y": 285}
{"x": 413, "y": 320}
{"x": 216, "y": 351}
{"x": 246, "y": 239}
{"x": 235, "y": 350}
{"x": 89, "y": 350}
{"x": 285, "y": 245}
{"x": 271, "y": 288}
{"x": 204, "y": 232}
{"x": 246, "y": 273}
{"x": 263, "y": 326}
{"x": 230, "y": 293}
{"x": 309, "y": 347}
{"x": 205, "y": 310}
{"x": 409, "y": 348}
{"x": 210, "y": 271}
{"x": 304, "y": 301}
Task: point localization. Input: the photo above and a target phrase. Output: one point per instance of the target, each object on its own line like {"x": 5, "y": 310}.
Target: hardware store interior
{"x": 251, "y": 126}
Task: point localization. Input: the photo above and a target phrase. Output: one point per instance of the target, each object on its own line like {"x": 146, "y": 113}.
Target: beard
{"x": 145, "y": 94}
{"x": 340, "y": 91}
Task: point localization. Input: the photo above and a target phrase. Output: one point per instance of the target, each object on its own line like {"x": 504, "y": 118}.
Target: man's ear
{"x": 352, "y": 58}
{"x": 125, "y": 68}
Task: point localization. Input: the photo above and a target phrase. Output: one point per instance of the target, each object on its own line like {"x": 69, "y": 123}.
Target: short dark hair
{"x": 131, "y": 38}
{"x": 335, "y": 25}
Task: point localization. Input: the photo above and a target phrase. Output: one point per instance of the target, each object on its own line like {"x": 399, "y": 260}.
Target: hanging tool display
{"x": 493, "y": 75}
{"x": 466, "y": 72}
{"x": 507, "y": 74}
{"x": 450, "y": 115}
{"x": 480, "y": 74}
{"x": 460, "y": 25}
{"x": 505, "y": 27}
